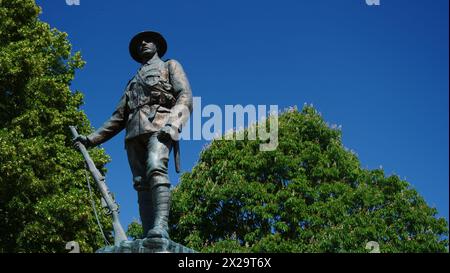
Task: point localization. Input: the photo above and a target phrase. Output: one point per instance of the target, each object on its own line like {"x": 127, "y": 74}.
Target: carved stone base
{"x": 147, "y": 245}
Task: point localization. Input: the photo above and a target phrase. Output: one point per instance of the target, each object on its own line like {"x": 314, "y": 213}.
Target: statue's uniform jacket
{"x": 146, "y": 104}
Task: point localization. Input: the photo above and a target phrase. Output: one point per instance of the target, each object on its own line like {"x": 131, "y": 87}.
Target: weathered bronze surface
{"x": 156, "y": 103}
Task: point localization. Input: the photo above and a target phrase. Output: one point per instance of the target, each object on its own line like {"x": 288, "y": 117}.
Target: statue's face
{"x": 147, "y": 49}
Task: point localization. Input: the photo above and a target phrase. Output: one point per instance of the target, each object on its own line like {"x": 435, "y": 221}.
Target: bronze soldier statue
{"x": 156, "y": 103}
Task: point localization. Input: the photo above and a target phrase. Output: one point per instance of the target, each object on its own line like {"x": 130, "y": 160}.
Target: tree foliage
{"x": 309, "y": 195}
{"x": 135, "y": 230}
{"x": 43, "y": 197}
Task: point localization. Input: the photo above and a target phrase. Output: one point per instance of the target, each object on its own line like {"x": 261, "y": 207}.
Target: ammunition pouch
{"x": 163, "y": 98}
{"x": 154, "y": 96}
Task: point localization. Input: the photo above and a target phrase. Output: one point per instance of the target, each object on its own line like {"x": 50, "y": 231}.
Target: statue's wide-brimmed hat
{"x": 153, "y": 36}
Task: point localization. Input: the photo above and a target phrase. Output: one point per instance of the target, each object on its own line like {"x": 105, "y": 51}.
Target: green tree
{"x": 44, "y": 202}
{"x": 309, "y": 195}
{"x": 134, "y": 230}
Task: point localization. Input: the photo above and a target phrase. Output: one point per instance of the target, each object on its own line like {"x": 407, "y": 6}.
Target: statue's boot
{"x": 145, "y": 210}
{"x": 145, "y": 205}
{"x": 161, "y": 206}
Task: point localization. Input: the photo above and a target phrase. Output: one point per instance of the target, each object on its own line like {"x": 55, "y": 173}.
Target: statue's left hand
{"x": 165, "y": 133}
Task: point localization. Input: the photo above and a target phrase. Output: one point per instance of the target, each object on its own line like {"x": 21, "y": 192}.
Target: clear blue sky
{"x": 380, "y": 72}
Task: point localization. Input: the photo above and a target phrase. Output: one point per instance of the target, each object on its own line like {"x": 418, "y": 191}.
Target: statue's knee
{"x": 156, "y": 174}
{"x": 156, "y": 166}
{"x": 157, "y": 177}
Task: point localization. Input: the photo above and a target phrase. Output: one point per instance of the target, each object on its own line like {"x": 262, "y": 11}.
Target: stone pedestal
{"x": 147, "y": 245}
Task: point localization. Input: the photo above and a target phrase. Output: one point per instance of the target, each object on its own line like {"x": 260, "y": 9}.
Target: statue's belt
{"x": 157, "y": 97}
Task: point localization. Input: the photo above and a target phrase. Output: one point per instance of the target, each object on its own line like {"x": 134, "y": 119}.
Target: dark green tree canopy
{"x": 309, "y": 195}
{"x": 43, "y": 196}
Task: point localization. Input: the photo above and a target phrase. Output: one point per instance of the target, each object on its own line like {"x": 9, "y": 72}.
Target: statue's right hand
{"x": 82, "y": 139}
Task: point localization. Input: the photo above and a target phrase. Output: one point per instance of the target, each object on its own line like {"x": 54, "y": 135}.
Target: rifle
{"x": 113, "y": 207}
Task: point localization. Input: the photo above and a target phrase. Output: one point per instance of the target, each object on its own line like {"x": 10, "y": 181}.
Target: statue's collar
{"x": 154, "y": 59}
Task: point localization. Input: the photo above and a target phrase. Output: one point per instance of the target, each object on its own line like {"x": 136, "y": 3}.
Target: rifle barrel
{"x": 119, "y": 233}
